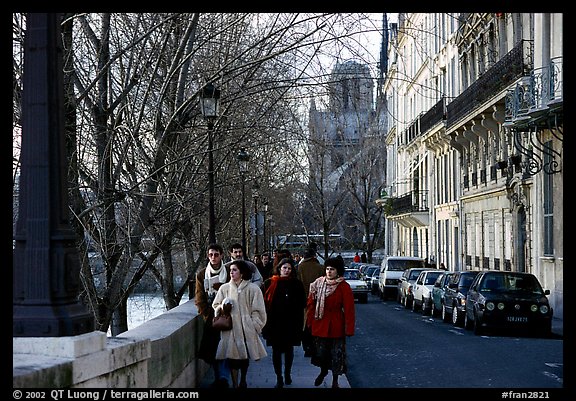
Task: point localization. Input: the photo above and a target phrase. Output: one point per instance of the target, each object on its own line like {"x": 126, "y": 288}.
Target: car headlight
{"x": 533, "y": 308}
{"x": 500, "y": 306}
{"x": 544, "y": 309}
{"x": 490, "y": 305}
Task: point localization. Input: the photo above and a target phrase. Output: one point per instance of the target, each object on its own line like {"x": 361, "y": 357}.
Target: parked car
{"x": 367, "y": 273}
{"x": 438, "y": 290}
{"x": 390, "y": 271}
{"x": 508, "y": 300}
{"x": 455, "y": 296}
{"x": 374, "y": 282}
{"x": 422, "y": 290}
{"x": 405, "y": 285}
{"x": 359, "y": 286}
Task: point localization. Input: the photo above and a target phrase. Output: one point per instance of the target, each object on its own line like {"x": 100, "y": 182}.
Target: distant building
{"x": 340, "y": 137}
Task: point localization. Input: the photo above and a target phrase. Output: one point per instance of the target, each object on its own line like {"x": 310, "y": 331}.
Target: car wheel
{"x": 444, "y": 314}
{"x": 432, "y": 309}
{"x": 424, "y": 308}
{"x": 455, "y": 316}
{"x": 414, "y": 306}
{"x": 364, "y": 299}
{"x": 398, "y": 297}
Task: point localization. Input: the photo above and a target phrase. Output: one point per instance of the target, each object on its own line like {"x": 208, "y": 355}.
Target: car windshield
{"x": 403, "y": 264}
{"x": 431, "y": 278}
{"x": 511, "y": 282}
{"x": 466, "y": 281}
{"x": 351, "y": 275}
{"x": 414, "y": 275}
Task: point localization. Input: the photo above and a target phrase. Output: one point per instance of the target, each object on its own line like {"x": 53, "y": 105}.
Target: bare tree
{"x": 138, "y": 145}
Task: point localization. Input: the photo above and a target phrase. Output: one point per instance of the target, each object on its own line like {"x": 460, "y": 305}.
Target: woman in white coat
{"x": 248, "y": 311}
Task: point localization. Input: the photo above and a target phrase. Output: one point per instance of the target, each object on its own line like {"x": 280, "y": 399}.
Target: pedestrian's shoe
{"x": 287, "y": 378}
{"x": 319, "y": 379}
{"x": 243, "y": 384}
{"x": 279, "y": 382}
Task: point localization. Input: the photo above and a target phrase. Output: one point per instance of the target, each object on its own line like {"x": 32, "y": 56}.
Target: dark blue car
{"x": 510, "y": 301}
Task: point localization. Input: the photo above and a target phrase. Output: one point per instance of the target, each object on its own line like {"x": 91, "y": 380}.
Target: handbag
{"x": 222, "y": 322}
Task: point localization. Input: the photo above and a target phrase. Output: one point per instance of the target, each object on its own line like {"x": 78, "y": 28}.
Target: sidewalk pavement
{"x": 261, "y": 373}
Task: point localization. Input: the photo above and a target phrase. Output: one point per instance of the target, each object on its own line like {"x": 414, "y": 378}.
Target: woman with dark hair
{"x": 285, "y": 302}
{"x": 245, "y": 302}
{"x": 331, "y": 318}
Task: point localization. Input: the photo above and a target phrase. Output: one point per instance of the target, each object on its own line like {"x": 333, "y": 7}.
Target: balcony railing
{"x": 508, "y": 69}
{"x": 433, "y": 116}
{"x": 413, "y": 201}
{"x": 424, "y": 121}
{"x": 541, "y": 90}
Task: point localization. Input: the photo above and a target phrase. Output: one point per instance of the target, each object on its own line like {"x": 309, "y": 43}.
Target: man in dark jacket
{"x": 208, "y": 281}
{"x": 309, "y": 270}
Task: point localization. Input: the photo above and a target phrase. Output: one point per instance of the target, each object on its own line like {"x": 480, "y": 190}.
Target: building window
{"x": 548, "y": 204}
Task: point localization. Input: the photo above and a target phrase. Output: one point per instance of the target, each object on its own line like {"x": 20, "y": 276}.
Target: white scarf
{"x": 210, "y": 273}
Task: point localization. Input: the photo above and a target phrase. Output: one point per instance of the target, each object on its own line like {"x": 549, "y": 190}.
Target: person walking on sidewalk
{"x": 331, "y": 317}
{"x": 285, "y": 302}
{"x": 237, "y": 252}
{"x": 208, "y": 281}
{"x": 308, "y": 271}
{"x": 248, "y": 312}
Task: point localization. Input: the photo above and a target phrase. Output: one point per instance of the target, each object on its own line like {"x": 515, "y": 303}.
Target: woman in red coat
{"x": 331, "y": 318}
{"x": 285, "y": 302}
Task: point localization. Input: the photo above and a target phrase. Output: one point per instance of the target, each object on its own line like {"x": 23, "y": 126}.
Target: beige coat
{"x": 248, "y": 319}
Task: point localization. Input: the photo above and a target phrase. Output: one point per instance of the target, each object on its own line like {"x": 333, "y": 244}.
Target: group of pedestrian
{"x": 283, "y": 302}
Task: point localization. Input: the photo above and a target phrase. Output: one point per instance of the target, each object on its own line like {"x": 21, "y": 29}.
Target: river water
{"x": 143, "y": 307}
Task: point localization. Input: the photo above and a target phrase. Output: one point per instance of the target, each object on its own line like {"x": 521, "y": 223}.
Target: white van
{"x": 390, "y": 272}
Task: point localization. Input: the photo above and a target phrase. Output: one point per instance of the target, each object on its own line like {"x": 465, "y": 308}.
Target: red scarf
{"x": 269, "y": 296}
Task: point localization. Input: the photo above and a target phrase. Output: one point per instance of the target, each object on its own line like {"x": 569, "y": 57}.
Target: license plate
{"x": 517, "y": 319}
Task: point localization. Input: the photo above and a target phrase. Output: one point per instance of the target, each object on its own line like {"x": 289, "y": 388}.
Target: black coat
{"x": 285, "y": 313}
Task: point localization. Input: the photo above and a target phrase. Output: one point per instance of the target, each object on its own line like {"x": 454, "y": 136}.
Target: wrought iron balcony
{"x": 413, "y": 201}
{"x": 424, "y": 121}
{"x": 433, "y": 116}
{"x": 536, "y": 94}
{"x": 515, "y": 64}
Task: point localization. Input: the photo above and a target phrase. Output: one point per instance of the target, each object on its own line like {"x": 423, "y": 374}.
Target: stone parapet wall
{"x": 160, "y": 353}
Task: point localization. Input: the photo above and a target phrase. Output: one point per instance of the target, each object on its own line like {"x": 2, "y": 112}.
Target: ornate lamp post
{"x": 255, "y": 196}
{"x": 46, "y": 265}
{"x": 243, "y": 158}
{"x": 209, "y": 104}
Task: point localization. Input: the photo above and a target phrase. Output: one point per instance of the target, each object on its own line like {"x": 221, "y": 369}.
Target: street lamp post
{"x": 209, "y": 104}
{"x": 255, "y": 195}
{"x": 272, "y": 238}
{"x": 264, "y": 238}
{"x": 243, "y": 158}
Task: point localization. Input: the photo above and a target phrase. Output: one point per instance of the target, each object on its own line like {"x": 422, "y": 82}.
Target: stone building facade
{"x": 474, "y": 174}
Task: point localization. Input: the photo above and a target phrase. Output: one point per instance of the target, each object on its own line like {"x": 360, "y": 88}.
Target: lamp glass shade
{"x": 243, "y": 158}
{"x": 209, "y": 101}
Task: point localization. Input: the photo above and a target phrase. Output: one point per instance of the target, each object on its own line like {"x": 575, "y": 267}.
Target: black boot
{"x": 320, "y": 377}
{"x": 279, "y": 381}
{"x": 335, "y": 381}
